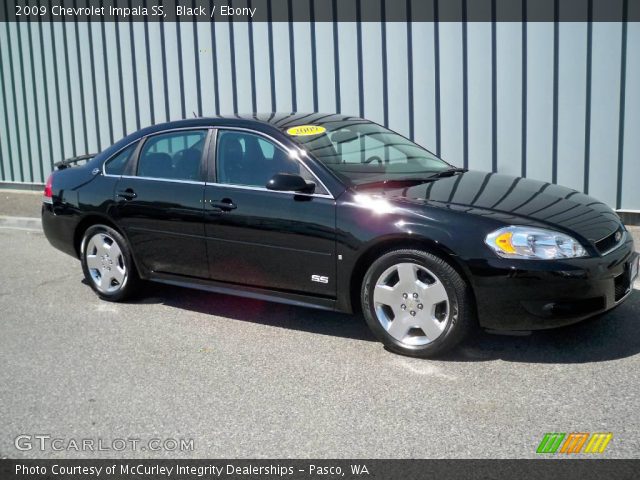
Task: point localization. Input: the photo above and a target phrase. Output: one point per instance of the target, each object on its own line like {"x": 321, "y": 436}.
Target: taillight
{"x": 48, "y": 191}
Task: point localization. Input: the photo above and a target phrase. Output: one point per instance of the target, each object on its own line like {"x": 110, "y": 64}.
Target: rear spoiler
{"x": 73, "y": 161}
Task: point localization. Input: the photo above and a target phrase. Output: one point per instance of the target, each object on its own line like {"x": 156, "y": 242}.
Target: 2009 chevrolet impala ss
{"x": 338, "y": 213}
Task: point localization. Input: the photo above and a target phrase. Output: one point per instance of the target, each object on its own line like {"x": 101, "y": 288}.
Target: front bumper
{"x": 532, "y": 294}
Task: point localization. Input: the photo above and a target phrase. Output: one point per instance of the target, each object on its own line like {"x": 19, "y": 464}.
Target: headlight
{"x": 535, "y": 243}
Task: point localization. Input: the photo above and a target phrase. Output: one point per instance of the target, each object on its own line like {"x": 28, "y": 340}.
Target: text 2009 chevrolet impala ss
{"x": 339, "y": 213}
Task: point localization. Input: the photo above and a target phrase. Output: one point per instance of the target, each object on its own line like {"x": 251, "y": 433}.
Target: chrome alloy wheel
{"x": 411, "y": 304}
{"x": 105, "y": 263}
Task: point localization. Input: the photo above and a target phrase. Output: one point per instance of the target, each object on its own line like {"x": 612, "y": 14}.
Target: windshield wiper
{"x": 449, "y": 172}
{"x": 397, "y": 183}
{"x": 410, "y": 182}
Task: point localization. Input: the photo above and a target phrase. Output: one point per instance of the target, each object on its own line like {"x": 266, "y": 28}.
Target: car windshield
{"x": 362, "y": 152}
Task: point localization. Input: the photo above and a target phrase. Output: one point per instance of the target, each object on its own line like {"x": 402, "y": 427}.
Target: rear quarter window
{"x": 117, "y": 164}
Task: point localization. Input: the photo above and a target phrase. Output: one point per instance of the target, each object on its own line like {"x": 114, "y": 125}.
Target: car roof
{"x": 280, "y": 121}
{"x": 268, "y": 123}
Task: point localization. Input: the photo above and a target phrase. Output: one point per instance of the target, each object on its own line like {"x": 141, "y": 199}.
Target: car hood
{"x": 516, "y": 200}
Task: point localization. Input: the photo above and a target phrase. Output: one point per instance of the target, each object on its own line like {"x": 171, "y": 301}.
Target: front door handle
{"x": 226, "y": 204}
{"x": 127, "y": 194}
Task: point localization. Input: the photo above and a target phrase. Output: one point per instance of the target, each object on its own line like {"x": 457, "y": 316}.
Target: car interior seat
{"x": 155, "y": 165}
{"x": 187, "y": 167}
{"x": 231, "y": 157}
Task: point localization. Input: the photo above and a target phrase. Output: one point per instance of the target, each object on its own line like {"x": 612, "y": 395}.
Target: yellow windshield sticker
{"x": 305, "y": 130}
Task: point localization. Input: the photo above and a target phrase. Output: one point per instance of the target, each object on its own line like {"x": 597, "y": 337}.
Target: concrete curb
{"x": 629, "y": 218}
{"x": 21, "y": 223}
{"x": 22, "y": 187}
{"x": 635, "y": 233}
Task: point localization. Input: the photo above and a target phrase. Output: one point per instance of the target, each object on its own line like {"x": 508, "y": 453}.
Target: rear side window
{"x": 173, "y": 156}
{"x": 117, "y": 164}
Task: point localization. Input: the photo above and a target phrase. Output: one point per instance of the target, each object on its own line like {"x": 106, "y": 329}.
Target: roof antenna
{"x": 194, "y": 115}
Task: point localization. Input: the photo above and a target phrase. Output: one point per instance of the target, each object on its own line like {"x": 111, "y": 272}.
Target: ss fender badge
{"x": 319, "y": 279}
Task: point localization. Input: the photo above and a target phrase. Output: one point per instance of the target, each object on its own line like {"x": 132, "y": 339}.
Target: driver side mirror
{"x": 288, "y": 182}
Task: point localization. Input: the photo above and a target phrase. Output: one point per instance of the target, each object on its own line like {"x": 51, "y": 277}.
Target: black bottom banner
{"x": 583, "y": 469}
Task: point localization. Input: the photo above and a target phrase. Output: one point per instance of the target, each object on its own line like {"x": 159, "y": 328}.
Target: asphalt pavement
{"x": 245, "y": 378}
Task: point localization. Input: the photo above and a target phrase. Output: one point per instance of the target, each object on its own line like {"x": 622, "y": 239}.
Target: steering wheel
{"x": 371, "y": 159}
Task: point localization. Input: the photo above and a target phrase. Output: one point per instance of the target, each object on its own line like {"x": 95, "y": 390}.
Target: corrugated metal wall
{"x": 553, "y": 101}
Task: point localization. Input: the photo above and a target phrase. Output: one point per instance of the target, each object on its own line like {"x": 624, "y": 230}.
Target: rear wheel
{"x": 416, "y": 303}
{"x": 107, "y": 263}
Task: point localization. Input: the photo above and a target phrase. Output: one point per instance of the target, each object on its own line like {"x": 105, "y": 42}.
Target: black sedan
{"x": 338, "y": 213}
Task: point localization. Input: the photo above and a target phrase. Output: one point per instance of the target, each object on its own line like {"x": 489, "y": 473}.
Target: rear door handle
{"x": 127, "y": 194}
{"x": 226, "y": 204}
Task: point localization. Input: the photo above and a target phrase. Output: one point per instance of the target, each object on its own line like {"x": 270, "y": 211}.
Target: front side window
{"x": 116, "y": 165}
{"x": 247, "y": 159}
{"x": 173, "y": 156}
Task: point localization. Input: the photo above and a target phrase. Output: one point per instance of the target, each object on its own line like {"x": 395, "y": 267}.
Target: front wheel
{"x": 107, "y": 263}
{"x": 416, "y": 303}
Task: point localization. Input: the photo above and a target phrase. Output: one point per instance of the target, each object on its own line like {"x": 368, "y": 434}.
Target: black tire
{"x": 461, "y": 316}
{"x": 131, "y": 281}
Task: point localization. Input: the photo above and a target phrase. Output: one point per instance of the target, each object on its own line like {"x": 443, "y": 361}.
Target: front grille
{"x": 609, "y": 242}
{"x": 622, "y": 284}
